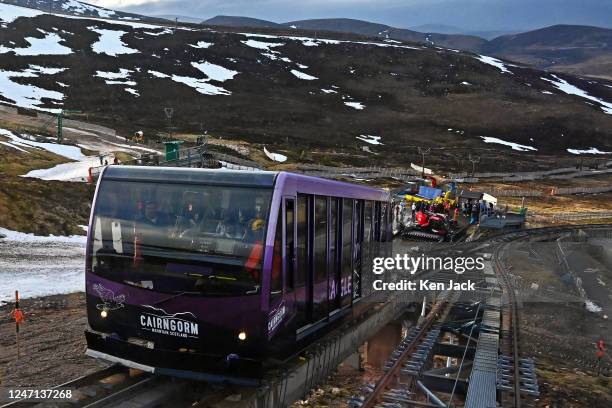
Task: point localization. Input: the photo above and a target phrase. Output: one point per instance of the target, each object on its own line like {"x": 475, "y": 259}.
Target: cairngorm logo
{"x": 158, "y": 321}
{"x": 108, "y": 298}
{"x": 276, "y": 317}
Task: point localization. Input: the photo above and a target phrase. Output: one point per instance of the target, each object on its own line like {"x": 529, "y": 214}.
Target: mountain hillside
{"x": 74, "y": 7}
{"x": 568, "y": 48}
{"x": 324, "y": 99}
{"x": 236, "y": 21}
{"x": 578, "y": 50}
{"x": 464, "y": 42}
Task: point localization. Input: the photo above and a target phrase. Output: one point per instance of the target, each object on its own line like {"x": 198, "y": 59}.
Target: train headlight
{"x": 103, "y": 314}
{"x": 242, "y": 336}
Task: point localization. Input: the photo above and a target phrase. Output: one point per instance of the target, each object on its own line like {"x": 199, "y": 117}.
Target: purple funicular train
{"x": 207, "y": 274}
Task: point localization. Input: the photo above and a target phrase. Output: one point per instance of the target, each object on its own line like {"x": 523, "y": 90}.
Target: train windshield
{"x": 179, "y": 238}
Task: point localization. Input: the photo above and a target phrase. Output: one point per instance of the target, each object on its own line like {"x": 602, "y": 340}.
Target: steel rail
{"x": 502, "y": 272}
{"x": 82, "y": 382}
{"x": 385, "y": 381}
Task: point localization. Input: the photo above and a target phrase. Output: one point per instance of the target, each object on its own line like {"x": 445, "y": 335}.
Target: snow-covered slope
{"x": 276, "y": 86}
{"x": 75, "y": 8}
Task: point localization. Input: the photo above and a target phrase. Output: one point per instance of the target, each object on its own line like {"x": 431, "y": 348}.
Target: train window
{"x": 276, "y": 277}
{"x": 320, "y": 244}
{"x": 382, "y": 222}
{"x": 289, "y": 242}
{"x": 177, "y": 238}
{"x": 320, "y": 282}
{"x": 367, "y": 229}
{"x": 334, "y": 275}
{"x": 358, "y": 235}
{"x": 376, "y": 220}
{"x": 302, "y": 240}
{"x": 346, "y": 268}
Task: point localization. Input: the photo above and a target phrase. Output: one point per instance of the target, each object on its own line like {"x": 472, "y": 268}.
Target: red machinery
{"x": 429, "y": 226}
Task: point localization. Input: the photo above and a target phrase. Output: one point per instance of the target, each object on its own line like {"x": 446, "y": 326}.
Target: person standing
{"x": 413, "y": 210}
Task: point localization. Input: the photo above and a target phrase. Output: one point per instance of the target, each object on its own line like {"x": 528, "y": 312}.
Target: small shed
{"x": 470, "y": 195}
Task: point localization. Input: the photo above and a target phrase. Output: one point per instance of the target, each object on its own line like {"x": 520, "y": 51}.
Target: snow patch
{"x": 215, "y": 72}
{"x": 277, "y": 157}
{"x": 355, "y": 105}
{"x": 110, "y": 43}
{"x": 374, "y": 140}
{"x": 303, "y": 75}
{"x": 260, "y": 45}
{"x": 9, "y": 13}
{"x": 592, "y": 150}
{"x": 590, "y": 306}
{"x": 514, "y": 146}
{"x": 200, "y": 85}
{"x": 132, "y": 91}
{"x": 74, "y": 171}
{"x": 17, "y": 236}
{"x": 158, "y": 33}
{"x": 494, "y": 62}
{"x": 76, "y": 7}
{"x": 26, "y": 96}
{"x": 122, "y": 74}
{"x": 315, "y": 42}
{"x": 49, "y": 45}
{"x": 201, "y": 45}
{"x": 69, "y": 152}
{"x": 564, "y": 86}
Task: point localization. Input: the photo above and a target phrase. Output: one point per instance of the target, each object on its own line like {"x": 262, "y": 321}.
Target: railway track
{"x": 383, "y": 389}
{"x": 511, "y": 313}
{"x": 120, "y": 386}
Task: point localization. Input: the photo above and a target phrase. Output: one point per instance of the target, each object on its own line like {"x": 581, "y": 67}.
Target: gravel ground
{"x": 556, "y": 328}
{"x": 52, "y": 342}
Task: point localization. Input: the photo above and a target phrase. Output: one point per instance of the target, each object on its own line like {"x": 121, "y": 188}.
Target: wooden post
{"x": 17, "y": 323}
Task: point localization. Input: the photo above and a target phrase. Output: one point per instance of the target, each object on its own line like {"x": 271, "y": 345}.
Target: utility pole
{"x": 169, "y": 112}
{"x": 474, "y": 160}
{"x": 423, "y": 152}
{"x": 60, "y": 123}
{"x": 459, "y": 161}
{"x": 60, "y": 126}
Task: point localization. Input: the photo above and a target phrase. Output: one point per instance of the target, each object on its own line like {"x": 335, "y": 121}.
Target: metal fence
{"x": 561, "y": 173}
{"x": 573, "y": 216}
{"x": 552, "y": 191}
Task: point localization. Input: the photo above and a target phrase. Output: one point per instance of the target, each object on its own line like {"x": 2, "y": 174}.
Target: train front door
{"x": 303, "y": 304}
{"x": 335, "y": 276}
{"x": 289, "y": 231}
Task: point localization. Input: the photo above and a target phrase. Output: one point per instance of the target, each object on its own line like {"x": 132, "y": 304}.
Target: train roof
{"x": 238, "y": 178}
{"x": 191, "y": 176}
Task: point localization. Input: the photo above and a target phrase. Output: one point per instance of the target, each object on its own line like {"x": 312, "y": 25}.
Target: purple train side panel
{"x": 205, "y": 273}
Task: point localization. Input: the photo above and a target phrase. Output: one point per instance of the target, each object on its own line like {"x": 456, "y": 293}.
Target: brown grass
{"x": 36, "y": 206}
